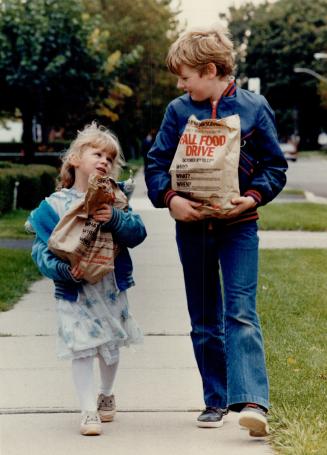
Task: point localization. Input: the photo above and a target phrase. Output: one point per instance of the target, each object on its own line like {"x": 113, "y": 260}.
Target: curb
{"x": 311, "y": 197}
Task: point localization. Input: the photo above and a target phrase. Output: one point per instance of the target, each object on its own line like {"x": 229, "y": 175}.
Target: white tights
{"x": 84, "y": 380}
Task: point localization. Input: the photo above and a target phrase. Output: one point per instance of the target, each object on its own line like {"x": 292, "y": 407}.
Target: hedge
{"x": 35, "y": 183}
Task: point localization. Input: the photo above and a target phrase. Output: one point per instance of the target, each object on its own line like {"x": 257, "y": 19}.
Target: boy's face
{"x": 198, "y": 87}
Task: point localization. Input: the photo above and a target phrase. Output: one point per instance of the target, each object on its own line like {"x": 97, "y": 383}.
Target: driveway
{"x": 309, "y": 174}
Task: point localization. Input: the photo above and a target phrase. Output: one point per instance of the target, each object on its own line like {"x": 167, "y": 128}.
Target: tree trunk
{"x": 27, "y": 137}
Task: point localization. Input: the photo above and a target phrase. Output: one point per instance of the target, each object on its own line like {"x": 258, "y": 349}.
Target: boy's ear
{"x": 211, "y": 70}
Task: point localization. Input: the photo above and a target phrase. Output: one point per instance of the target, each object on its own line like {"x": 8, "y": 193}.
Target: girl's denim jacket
{"x": 262, "y": 164}
{"x": 127, "y": 229}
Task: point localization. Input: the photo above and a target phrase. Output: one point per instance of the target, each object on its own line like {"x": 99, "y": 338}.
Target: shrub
{"x": 35, "y": 183}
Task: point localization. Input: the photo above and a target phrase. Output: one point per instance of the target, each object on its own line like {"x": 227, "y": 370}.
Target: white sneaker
{"x": 106, "y": 407}
{"x": 90, "y": 424}
{"x": 254, "y": 419}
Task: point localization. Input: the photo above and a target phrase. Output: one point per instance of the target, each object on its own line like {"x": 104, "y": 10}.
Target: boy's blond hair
{"x": 198, "y": 47}
{"x": 94, "y": 136}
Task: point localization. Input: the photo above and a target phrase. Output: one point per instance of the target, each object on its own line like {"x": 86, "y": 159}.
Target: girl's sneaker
{"x": 90, "y": 424}
{"x": 254, "y": 418}
{"x": 106, "y": 407}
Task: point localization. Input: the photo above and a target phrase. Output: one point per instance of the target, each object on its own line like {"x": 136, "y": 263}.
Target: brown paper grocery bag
{"x": 205, "y": 165}
{"x": 78, "y": 238}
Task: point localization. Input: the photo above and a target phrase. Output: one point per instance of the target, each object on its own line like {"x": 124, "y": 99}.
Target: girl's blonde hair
{"x": 95, "y": 136}
{"x": 198, "y": 47}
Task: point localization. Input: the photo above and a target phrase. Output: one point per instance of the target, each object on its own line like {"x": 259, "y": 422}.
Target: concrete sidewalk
{"x": 158, "y": 388}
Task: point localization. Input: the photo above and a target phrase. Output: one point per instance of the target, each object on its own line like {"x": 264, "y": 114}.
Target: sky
{"x": 205, "y": 12}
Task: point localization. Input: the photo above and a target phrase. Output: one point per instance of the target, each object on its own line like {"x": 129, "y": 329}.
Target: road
{"x": 309, "y": 174}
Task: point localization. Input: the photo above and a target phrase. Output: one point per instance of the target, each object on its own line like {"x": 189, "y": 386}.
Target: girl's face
{"x": 92, "y": 161}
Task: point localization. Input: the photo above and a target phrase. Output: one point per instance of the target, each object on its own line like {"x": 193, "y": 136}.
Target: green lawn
{"x": 299, "y": 216}
{"x": 313, "y": 154}
{"x": 133, "y": 165}
{"x": 17, "y": 272}
{"x": 293, "y": 308}
{"x": 12, "y": 225}
{"x": 293, "y": 191}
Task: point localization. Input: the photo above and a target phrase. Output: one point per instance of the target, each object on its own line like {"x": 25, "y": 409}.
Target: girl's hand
{"x": 103, "y": 213}
{"x": 241, "y": 204}
{"x": 185, "y": 210}
{"x": 77, "y": 272}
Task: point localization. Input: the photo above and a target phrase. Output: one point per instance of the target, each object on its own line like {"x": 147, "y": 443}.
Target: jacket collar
{"x": 230, "y": 89}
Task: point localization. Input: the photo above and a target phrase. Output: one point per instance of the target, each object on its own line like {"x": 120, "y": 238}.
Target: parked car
{"x": 290, "y": 150}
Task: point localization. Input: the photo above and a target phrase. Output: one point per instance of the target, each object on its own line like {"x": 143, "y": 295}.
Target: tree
{"x": 53, "y": 66}
{"x": 152, "y": 25}
{"x": 323, "y": 94}
{"x": 273, "y": 38}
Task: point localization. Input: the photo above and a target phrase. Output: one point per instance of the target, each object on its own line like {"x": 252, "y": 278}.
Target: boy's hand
{"x": 77, "y": 272}
{"x": 241, "y": 204}
{"x": 185, "y": 210}
{"x": 103, "y": 213}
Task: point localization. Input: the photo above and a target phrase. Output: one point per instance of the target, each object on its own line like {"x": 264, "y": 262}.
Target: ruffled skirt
{"x": 98, "y": 323}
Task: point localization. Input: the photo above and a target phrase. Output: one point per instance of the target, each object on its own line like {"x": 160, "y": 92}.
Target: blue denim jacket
{"x": 262, "y": 164}
{"x": 127, "y": 229}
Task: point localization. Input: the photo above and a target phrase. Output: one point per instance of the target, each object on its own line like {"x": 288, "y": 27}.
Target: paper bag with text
{"x": 78, "y": 238}
{"x": 205, "y": 165}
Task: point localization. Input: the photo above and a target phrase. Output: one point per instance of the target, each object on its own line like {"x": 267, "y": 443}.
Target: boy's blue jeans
{"x": 226, "y": 332}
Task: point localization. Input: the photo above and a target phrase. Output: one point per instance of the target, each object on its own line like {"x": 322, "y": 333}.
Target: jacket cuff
{"x": 114, "y": 221}
{"x": 65, "y": 271}
{"x": 255, "y": 194}
{"x": 169, "y": 196}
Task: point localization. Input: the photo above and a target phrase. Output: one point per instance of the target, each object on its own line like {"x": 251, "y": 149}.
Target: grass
{"x": 292, "y": 300}
{"x": 293, "y": 191}
{"x": 17, "y": 272}
{"x": 299, "y": 216}
{"x": 12, "y": 225}
{"x": 131, "y": 165}
{"x": 313, "y": 154}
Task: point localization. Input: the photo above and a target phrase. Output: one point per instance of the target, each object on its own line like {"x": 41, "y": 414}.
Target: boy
{"x": 226, "y": 332}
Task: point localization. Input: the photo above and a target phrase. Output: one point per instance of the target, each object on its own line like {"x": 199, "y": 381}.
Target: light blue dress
{"x": 100, "y": 321}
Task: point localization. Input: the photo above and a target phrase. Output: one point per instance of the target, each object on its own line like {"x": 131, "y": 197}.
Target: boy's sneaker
{"x": 211, "y": 417}
{"x": 254, "y": 418}
{"x": 90, "y": 424}
{"x": 106, "y": 407}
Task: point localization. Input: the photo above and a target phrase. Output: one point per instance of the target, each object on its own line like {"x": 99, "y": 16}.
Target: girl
{"x": 93, "y": 320}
